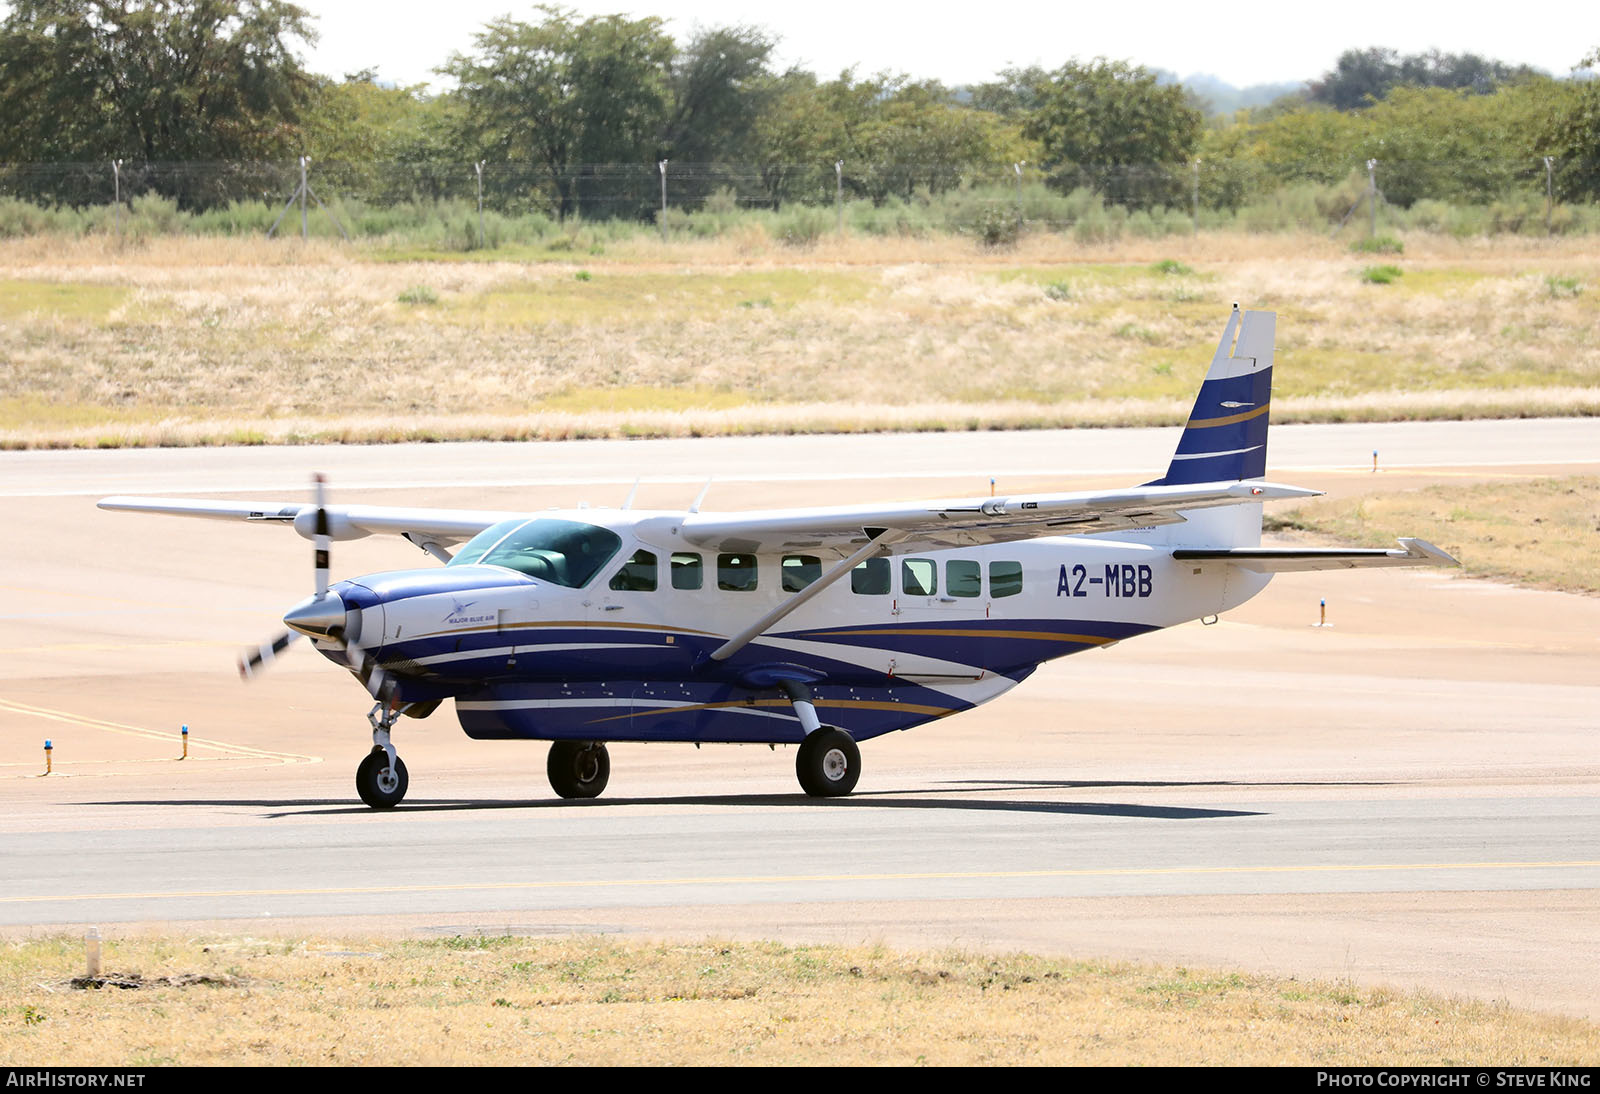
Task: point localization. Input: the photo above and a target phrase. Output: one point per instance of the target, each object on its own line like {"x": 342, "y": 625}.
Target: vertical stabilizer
{"x": 1226, "y": 435}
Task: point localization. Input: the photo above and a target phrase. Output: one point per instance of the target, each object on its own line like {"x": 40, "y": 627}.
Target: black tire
{"x": 578, "y": 769}
{"x": 372, "y": 783}
{"x": 828, "y": 763}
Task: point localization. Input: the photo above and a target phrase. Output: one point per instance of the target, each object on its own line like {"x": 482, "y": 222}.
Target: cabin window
{"x": 562, "y": 552}
{"x": 800, "y": 571}
{"x": 919, "y": 577}
{"x": 638, "y": 574}
{"x": 1005, "y": 579}
{"x": 687, "y": 571}
{"x": 736, "y": 573}
{"x": 963, "y": 577}
{"x": 871, "y": 578}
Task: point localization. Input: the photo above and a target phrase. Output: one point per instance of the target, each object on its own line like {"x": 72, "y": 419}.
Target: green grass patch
{"x": 419, "y": 294}
{"x": 1440, "y": 281}
{"x": 29, "y": 413}
{"x": 1380, "y": 275}
{"x": 1563, "y": 288}
{"x": 1171, "y": 267}
{"x": 1086, "y": 275}
{"x": 63, "y": 300}
{"x": 584, "y": 298}
{"x": 1378, "y": 245}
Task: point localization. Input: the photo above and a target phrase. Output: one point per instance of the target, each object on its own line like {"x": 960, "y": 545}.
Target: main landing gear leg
{"x": 828, "y": 762}
{"x": 381, "y": 780}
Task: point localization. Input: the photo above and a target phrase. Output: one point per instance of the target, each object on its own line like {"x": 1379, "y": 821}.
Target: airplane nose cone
{"x": 317, "y": 616}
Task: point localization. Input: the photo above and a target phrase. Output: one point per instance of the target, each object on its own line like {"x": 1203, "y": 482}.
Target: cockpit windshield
{"x": 562, "y": 552}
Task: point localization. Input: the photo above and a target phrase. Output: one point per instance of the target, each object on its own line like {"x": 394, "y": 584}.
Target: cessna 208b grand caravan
{"x": 815, "y": 627}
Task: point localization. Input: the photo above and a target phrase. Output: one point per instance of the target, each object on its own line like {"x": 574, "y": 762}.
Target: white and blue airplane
{"x": 815, "y": 627}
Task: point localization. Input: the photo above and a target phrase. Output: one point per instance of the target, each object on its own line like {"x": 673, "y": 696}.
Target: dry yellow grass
{"x": 182, "y": 341}
{"x": 485, "y": 1000}
{"x": 1540, "y": 532}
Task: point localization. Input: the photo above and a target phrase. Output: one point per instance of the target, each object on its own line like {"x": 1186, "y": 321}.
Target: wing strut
{"x": 877, "y": 544}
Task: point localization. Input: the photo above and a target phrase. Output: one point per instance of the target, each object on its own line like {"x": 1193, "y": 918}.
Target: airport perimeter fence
{"x": 484, "y": 204}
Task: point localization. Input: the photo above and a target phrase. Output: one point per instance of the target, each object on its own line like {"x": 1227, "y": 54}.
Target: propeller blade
{"x": 256, "y": 660}
{"x": 322, "y": 540}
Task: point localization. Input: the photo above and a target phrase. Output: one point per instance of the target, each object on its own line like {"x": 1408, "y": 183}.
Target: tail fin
{"x": 1226, "y": 435}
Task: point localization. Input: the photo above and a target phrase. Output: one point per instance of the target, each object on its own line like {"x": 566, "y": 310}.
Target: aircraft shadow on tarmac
{"x": 881, "y": 799}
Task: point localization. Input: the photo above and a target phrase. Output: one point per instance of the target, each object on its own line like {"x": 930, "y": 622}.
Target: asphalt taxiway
{"x": 1410, "y": 796}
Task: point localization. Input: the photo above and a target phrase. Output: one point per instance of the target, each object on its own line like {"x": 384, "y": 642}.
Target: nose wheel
{"x": 381, "y": 783}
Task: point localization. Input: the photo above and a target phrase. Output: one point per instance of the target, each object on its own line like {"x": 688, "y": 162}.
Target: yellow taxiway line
{"x": 792, "y": 879}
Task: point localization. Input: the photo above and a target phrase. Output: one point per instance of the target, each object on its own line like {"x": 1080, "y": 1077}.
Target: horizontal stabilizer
{"x": 1275, "y": 560}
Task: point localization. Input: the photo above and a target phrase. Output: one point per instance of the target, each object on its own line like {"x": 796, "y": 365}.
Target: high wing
{"x": 1277, "y": 560}
{"x": 442, "y": 526}
{"x": 969, "y": 522}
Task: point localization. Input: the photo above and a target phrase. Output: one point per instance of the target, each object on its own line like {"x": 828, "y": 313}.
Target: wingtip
{"x": 1422, "y": 549}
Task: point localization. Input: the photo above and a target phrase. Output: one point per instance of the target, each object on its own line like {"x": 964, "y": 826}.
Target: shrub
{"x": 998, "y": 228}
{"x": 1378, "y": 245}
{"x": 1380, "y": 275}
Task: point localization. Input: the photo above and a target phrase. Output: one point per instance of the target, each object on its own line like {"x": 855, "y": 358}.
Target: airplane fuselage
{"x": 627, "y": 655}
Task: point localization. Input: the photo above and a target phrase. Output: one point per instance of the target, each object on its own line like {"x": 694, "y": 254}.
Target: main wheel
{"x": 828, "y": 763}
{"x": 379, "y": 786}
{"x": 578, "y": 769}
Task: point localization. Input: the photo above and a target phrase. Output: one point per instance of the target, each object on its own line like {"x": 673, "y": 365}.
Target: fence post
{"x": 1372, "y": 199}
{"x": 1549, "y": 194}
{"x": 116, "y": 191}
{"x": 478, "y": 166}
{"x": 662, "y": 167}
{"x": 1017, "y": 169}
{"x": 838, "y": 193}
{"x": 303, "y": 161}
{"x": 1195, "y": 196}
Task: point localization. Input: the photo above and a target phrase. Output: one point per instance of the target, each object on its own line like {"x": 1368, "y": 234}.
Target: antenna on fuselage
{"x": 631, "y": 495}
{"x": 695, "y": 508}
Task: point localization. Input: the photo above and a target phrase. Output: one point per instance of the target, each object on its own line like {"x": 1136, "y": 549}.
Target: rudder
{"x": 1225, "y": 437}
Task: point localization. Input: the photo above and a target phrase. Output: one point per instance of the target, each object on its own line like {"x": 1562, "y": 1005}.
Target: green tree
{"x": 383, "y": 144}
{"x": 1570, "y": 134}
{"x": 159, "y": 81}
{"x": 918, "y": 136}
{"x": 1361, "y": 77}
{"x": 1016, "y": 94}
{"x": 795, "y": 140}
{"x": 585, "y": 101}
{"x": 1111, "y": 126}
{"x": 719, "y": 87}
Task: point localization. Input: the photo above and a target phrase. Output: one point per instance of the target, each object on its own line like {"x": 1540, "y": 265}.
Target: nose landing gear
{"x": 381, "y": 778}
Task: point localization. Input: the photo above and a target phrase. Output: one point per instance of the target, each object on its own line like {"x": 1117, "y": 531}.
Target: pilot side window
{"x": 736, "y": 573}
{"x": 1005, "y": 579}
{"x": 638, "y": 574}
{"x": 687, "y": 571}
{"x": 919, "y": 577}
{"x": 871, "y": 578}
{"x": 963, "y": 577}
{"x": 800, "y": 571}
